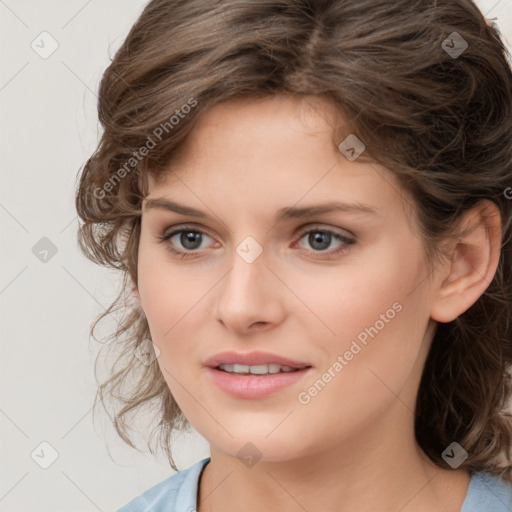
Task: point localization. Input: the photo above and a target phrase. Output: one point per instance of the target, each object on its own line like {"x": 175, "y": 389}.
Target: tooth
{"x": 241, "y": 368}
{"x": 274, "y": 368}
{"x": 259, "y": 369}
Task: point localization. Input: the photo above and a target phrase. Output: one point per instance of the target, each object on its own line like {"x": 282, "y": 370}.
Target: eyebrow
{"x": 286, "y": 213}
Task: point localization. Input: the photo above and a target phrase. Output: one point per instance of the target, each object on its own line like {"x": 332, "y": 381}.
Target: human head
{"x": 441, "y": 124}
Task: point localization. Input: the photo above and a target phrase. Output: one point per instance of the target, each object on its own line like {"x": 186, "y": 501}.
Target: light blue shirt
{"x": 178, "y": 493}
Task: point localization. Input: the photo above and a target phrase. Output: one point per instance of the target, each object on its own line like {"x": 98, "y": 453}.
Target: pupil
{"x": 319, "y": 237}
{"x": 188, "y": 238}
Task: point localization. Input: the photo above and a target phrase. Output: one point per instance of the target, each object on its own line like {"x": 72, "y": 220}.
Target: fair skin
{"x": 352, "y": 446}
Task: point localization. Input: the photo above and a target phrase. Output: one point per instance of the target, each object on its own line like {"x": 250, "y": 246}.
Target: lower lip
{"x": 255, "y": 386}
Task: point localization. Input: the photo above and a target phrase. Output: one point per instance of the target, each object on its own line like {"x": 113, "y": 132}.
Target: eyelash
{"x": 190, "y": 229}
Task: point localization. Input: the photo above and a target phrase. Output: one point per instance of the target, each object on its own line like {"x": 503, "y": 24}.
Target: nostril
{"x": 259, "y": 323}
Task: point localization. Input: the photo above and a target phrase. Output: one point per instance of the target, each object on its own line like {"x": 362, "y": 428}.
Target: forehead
{"x": 252, "y": 147}
{"x": 266, "y": 117}
{"x": 246, "y": 128}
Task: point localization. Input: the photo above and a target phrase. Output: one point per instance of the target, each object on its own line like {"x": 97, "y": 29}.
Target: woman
{"x": 310, "y": 204}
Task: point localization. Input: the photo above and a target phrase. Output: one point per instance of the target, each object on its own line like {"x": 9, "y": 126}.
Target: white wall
{"x": 48, "y": 129}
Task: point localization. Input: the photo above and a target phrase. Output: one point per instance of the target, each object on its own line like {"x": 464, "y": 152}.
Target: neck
{"x": 371, "y": 471}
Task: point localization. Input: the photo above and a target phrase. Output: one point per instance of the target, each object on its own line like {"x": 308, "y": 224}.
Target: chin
{"x": 254, "y": 442}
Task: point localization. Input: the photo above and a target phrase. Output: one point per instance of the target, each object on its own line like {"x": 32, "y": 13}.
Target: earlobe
{"x": 471, "y": 265}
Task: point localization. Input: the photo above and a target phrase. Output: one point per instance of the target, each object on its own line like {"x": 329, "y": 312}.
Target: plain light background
{"x": 49, "y": 128}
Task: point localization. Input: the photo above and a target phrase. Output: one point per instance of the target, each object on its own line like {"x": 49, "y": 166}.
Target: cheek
{"x": 365, "y": 291}
{"x": 170, "y": 297}
{"x": 367, "y": 365}
{"x": 172, "y": 307}
{"x": 369, "y": 322}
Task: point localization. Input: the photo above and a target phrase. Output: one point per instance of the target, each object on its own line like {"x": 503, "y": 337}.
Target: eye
{"x": 186, "y": 241}
{"x": 321, "y": 239}
{"x": 188, "y": 238}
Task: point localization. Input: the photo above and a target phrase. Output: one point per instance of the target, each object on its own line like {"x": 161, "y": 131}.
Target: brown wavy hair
{"x": 441, "y": 122}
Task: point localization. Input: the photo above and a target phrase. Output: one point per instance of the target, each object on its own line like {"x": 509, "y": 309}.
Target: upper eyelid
{"x": 178, "y": 229}
{"x": 318, "y": 226}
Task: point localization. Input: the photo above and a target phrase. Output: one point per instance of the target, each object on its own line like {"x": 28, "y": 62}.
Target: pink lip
{"x": 252, "y": 358}
{"x": 254, "y": 386}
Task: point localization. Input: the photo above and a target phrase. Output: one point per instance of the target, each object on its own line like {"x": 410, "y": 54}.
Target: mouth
{"x": 259, "y": 369}
{"x": 257, "y": 363}
{"x": 254, "y": 375}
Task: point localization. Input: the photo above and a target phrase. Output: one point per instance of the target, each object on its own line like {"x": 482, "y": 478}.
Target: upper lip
{"x": 251, "y": 359}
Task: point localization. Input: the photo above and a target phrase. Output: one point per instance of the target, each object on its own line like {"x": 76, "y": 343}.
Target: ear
{"x": 471, "y": 263}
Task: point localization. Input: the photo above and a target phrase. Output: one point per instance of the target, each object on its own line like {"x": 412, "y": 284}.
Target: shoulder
{"x": 487, "y": 493}
{"x": 178, "y": 492}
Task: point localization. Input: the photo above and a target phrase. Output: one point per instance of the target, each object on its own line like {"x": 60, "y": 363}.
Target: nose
{"x": 250, "y": 298}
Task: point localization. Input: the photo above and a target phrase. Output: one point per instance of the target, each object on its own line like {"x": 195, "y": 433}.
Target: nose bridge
{"x": 247, "y": 296}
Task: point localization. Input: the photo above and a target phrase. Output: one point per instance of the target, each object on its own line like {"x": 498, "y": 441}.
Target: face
{"x": 256, "y": 259}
